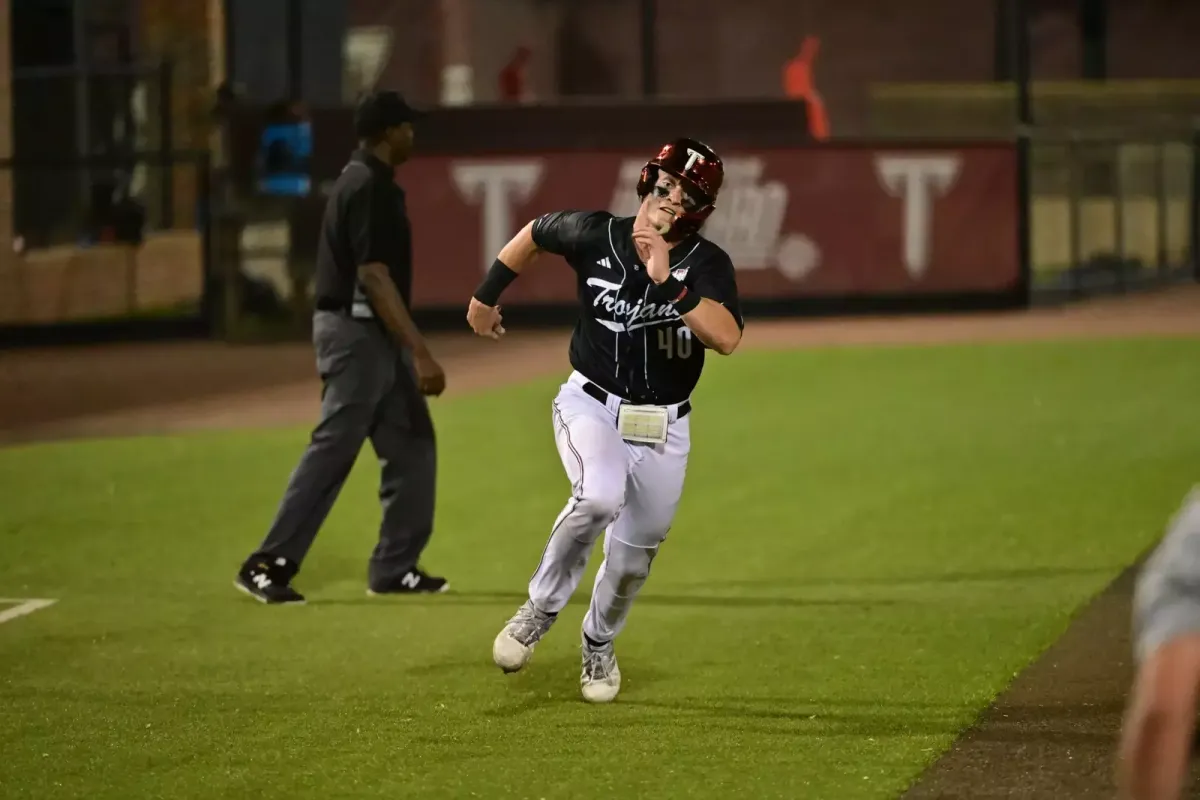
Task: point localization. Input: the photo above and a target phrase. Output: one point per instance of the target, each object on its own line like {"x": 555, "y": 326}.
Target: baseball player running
{"x": 655, "y": 295}
{"x": 1159, "y": 726}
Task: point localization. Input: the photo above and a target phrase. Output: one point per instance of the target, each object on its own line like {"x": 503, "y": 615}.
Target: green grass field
{"x": 872, "y": 543}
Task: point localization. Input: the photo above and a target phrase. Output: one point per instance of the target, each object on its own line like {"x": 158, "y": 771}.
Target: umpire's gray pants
{"x": 369, "y": 391}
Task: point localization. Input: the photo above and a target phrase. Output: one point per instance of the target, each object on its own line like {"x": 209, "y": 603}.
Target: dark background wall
{"x": 259, "y": 58}
{"x": 720, "y": 49}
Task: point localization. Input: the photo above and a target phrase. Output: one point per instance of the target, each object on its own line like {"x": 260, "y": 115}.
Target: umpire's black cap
{"x": 378, "y": 111}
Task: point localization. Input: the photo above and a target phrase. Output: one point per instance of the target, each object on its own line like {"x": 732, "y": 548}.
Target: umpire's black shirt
{"x": 365, "y": 221}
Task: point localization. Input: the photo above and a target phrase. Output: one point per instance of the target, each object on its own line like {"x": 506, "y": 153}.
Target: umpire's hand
{"x": 431, "y": 380}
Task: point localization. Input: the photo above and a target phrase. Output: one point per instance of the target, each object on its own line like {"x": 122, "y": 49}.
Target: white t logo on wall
{"x": 497, "y": 187}
{"x": 915, "y": 179}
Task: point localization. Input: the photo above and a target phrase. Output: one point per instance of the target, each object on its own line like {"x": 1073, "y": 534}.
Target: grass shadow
{"x": 813, "y": 720}
{"x": 582, "y": 599}
{"x": 554, "y": 682}
{"x": 917, "y": 579}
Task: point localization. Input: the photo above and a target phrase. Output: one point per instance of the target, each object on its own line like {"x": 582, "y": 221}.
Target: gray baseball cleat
{"x": 600, "y": 679}
{"x": 514, "y": 645}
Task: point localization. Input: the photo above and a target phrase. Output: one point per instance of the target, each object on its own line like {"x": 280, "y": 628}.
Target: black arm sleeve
{"x": 368, "y": 225}
{"x": 717, "y": 282}
{"x": 562, "y": 232}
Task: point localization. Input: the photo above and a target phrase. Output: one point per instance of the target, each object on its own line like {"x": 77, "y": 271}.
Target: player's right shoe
{"x": 268, "y": 581}
{"x": 514, "y": 645}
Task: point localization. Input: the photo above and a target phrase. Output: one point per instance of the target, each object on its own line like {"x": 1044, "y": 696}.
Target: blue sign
{"x": 285, "y": 159}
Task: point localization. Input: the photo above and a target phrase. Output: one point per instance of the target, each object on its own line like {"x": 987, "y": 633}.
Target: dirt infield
{"x": 1051, "y": 735}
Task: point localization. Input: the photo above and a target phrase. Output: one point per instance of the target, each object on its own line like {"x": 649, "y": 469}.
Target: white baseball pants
{"x": 628, "y": 491}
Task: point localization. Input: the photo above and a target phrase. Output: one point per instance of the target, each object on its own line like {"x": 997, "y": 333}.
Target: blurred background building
{"x": 115, "y": 115}
{"x": 323, "y": 52}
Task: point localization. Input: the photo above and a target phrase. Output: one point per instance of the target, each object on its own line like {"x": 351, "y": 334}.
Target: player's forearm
{"x": 514, "y": 257}
{"x": 714, "y": 325}
{"x": 1154, "y": 750}
{"x": 389, "y": 306}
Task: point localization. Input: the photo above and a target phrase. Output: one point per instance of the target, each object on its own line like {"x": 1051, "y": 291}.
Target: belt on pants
{"x": 599, "y": 394}
{"x": 356, "y": 310}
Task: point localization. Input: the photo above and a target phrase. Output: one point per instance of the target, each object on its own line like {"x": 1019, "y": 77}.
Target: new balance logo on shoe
{"x": 414, "y": 581}
{"x": 267, "y": 584}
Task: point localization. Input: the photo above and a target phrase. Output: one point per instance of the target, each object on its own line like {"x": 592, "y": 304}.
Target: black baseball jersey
{"x": 630, "y": 340}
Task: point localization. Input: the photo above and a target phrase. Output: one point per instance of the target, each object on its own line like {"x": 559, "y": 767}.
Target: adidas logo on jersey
{"x": 604, "y": 262}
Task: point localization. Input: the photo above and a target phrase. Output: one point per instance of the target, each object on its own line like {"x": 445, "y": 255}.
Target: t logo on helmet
{"x": 693, "y": 157}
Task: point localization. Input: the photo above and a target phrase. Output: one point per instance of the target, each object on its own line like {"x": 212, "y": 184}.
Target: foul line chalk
{"x": 24, "y": 605}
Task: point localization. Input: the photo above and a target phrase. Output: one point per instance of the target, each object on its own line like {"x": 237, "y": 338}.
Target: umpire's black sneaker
{"x": 267, "y": 581}
{"x": 415, "y": 581}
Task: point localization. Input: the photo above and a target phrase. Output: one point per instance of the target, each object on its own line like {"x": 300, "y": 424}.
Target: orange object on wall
{"x": 514, "y": 78}
{"x": 798, "y": 84}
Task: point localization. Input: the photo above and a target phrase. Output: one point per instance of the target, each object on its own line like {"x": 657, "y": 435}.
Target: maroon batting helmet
{"x": 700, "y": 170}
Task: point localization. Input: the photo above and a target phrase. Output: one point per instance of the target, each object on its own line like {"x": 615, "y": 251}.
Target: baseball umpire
{"x": 376, "y": 370}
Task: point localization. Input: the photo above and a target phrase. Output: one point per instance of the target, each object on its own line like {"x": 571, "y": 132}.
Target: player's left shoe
{"x": 600, "y": 679}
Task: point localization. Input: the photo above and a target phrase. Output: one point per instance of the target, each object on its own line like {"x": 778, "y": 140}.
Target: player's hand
{"x": 485, "y": 320}
{"x": 431, "y": 380}
{"x": 653, "y": 251}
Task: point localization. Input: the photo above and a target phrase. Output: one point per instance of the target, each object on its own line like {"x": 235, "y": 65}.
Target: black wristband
{"x": 499, "y": 276}
{"x": 678, "y": 295}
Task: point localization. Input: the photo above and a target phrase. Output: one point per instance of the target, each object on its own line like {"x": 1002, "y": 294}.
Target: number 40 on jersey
{"x": 675, "y": 343}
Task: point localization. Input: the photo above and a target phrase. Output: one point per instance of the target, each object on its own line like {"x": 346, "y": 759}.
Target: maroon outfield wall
{"x": 821, "y": 222}
{"x": 831, "y": 226}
